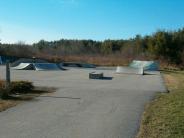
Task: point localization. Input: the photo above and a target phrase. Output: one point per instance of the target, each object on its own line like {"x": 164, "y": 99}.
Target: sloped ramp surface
{"x": 129, "y": 70}
{"x": 139, "y": 67}
{"x": 37, "y": 66}
{"x": 24, "y": 66}
{"x": 147, "y": 65}
{"x": 46, "y": 66}
{"x": 27, "y": 60}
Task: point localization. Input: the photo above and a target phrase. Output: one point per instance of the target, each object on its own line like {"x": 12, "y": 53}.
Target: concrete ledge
{"x": 96, "y": 75}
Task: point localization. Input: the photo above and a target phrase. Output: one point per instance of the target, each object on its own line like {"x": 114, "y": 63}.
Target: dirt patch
{"x": 171, "y": 81}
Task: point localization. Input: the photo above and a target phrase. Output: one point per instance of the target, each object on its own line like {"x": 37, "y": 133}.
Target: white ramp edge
{"x": 24, "y": 66}
{"x": 129, "y": 70}
{"x": 37, "y": 66}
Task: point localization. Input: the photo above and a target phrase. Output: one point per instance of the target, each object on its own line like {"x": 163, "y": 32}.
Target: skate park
{"x": 91, "y": 107}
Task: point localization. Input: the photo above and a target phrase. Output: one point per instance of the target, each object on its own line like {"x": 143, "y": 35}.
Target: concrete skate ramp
{"x": 147, "y": 65}
{"x": 24, "y": 66}
{"x": 129, "y": 70}
{"x": 27, "y": 60}
{"x": 37, "y": 66}
{"x": 46, "y": 66}
{"x": 85, "y": 65}
{"x": 60, "y": 65}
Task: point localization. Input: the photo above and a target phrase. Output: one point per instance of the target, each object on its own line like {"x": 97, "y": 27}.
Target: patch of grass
{"x": 16, "y": 87}
{"x": 5, "y": 104}
{"x": 164, "y": 117}
{"x": 21, "y": 91}
{"x": 21, "y": 87}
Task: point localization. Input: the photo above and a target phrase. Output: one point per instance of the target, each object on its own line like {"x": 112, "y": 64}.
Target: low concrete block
{"x": 96, "y": 75}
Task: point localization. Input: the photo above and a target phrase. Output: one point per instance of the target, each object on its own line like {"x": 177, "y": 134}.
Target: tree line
{"x": 166, "y": 46}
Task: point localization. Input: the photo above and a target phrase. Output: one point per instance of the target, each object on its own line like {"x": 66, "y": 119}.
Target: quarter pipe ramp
{"x": 24, "y": 66}
{"x": 37, "y": 66}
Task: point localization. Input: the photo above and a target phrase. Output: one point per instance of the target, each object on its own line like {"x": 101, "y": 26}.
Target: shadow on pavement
{"x": 61, "y": 97}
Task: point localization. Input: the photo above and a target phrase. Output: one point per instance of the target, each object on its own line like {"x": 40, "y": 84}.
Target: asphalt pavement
{"x": 80, "y": 108}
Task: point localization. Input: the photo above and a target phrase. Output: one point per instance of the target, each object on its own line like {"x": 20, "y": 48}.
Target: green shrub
{"x": 21, "y": 87}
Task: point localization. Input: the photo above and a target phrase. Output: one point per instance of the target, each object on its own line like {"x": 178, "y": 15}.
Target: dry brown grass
{"x": 1, "y": 84}
{"x": 5, "y": 104}
{"x": 164, "y": 116}
{"x": 108, "y": 60}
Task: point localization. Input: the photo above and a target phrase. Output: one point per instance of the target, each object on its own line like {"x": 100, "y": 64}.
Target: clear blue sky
{"x": 32, "y": 20}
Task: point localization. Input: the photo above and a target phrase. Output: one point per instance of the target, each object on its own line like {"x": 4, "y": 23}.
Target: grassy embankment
{"x": 164, "y": 117}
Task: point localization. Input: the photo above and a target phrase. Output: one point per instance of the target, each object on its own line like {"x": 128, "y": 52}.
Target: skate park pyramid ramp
{"x": 147, "y": 65}
{"x": 37, "y": 66}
